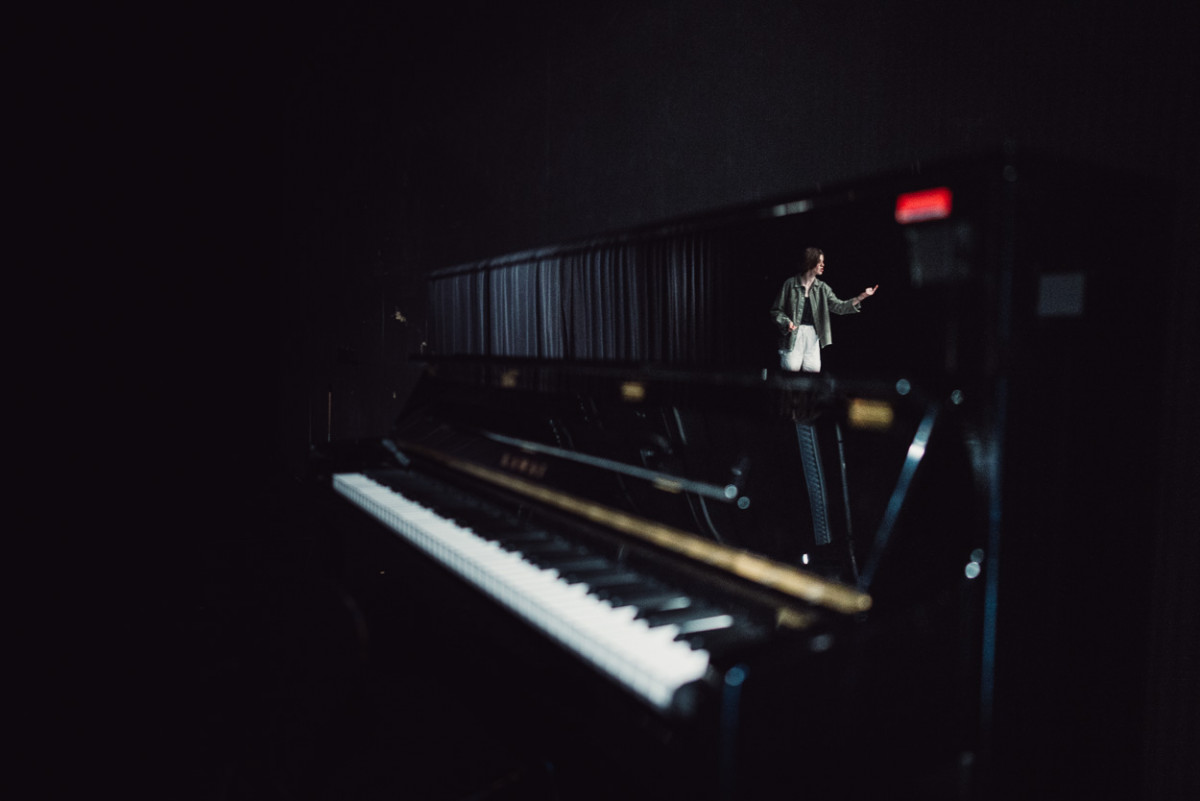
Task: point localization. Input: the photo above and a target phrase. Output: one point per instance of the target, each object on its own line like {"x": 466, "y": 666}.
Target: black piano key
{"x": 622, "y": 590}
{"x": 599, "y": 581}
{"x": 649, "y": 600}
{"x": 519, "y": 543}
{"x": 583, "y": 565}
{"x": 556, "y": 550}
{"x": 702, "y": 625}
{"x": 679, "y": 615}
{"x": 516, "y": 536}
{"x": 546, "y": 552}
{"x": 742, "y": 634}
{"x": 638, "y": 588}
{"x": 603, "y": 583}
{"x": 473, "y": 519}
{"x": 714, "y": 622}
{"x": 505, "y": 530}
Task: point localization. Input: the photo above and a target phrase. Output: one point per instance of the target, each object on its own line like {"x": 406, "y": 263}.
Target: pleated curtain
{"x": 652, "y": 300}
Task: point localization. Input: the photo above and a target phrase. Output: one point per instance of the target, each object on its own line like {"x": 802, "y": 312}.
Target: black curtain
{"x": 666, "y": 298}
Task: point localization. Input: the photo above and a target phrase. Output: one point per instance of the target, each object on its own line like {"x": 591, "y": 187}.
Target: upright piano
{"x": 658, "y": 569}
{"x": 683, "y": 572}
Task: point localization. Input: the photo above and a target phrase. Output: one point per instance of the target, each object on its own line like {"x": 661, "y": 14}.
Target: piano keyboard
{"x": 641, "y": 633}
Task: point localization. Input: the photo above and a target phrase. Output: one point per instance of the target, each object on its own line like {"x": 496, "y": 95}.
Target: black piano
{"x": 610, "y": 525}
{"x": 658, "y": 569}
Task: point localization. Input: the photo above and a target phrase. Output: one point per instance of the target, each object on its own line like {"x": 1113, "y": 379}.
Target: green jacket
{"x": 790, "y": 303}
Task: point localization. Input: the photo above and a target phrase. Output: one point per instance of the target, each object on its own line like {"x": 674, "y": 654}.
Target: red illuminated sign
{"x": 928, "y": 204}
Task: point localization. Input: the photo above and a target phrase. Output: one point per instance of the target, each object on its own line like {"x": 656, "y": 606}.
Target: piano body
{"x": 676, "y": 570}
{"x": 635, "y": 552}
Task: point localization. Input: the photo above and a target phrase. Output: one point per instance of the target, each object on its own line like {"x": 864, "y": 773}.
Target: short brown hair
{"x": 811, "y": 257}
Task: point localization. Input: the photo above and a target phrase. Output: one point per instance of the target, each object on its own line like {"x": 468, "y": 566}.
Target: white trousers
{"x": 805, "y": 354}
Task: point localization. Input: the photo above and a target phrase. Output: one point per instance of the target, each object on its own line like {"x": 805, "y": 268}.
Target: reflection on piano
{"x": 657, "y": 570}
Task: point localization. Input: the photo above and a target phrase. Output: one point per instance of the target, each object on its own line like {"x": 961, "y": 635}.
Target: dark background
{"x": 414, "y": 139}
{"x": 402, "y": 138}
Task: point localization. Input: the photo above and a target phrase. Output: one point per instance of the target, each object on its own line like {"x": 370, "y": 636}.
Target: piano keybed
{"x": 651, "y": 636}
{"x": 549, "y": 598}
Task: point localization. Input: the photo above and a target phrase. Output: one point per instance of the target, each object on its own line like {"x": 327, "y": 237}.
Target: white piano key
{"x": 649, "y": 662}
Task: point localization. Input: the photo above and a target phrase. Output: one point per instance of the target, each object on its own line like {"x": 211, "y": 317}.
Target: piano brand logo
{"x": 634, "y": 391}
{"x": 524, "y": 465}
{"x": 873, "y": 414}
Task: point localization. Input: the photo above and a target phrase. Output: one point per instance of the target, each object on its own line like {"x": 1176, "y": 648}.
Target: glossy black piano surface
{"x": 655, "y": 437}
{"x": 684, "y": 499}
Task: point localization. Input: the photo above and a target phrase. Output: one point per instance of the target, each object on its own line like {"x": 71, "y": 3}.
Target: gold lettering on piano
{"x": 509, "y": 379}
{"x": 633, "y": 391}
{"x": 875, "y": 414}
{"x": 524, "y": 465}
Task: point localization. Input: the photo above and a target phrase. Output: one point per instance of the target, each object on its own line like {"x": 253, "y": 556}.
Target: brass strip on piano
{"x": 765, "y": 572}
